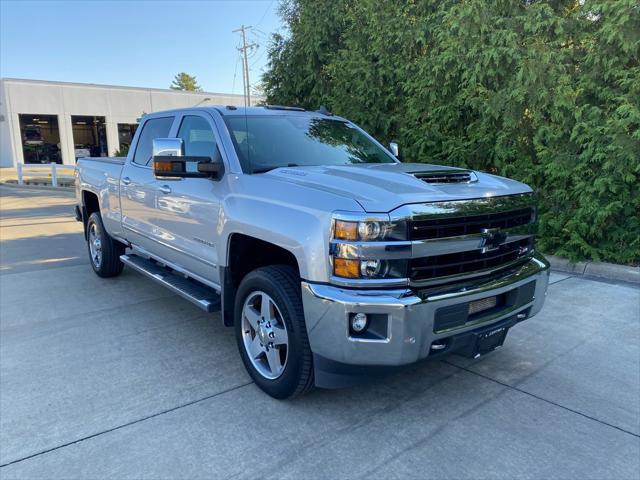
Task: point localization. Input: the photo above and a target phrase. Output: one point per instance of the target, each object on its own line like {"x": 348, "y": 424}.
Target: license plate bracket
{"x": 489, "y": 340}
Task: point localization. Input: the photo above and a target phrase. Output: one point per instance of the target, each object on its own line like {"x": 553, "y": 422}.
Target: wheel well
{"x": 248, "y": 253}
{"x": 90, "y": 204}
{"x": 245, "y": 255}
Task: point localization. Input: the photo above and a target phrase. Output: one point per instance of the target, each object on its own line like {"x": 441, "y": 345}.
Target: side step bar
{"x": 204, "y": 297}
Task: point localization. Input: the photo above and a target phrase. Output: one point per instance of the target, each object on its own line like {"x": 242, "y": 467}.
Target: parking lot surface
{"x": 120, "y": 378}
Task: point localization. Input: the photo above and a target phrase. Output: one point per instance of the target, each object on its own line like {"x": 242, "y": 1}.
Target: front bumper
{"x": 411, "y": 321}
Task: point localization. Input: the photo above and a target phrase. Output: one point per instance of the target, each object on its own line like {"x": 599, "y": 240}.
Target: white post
{"x": 54, "y": 175}
{"x": 19, "y": 170}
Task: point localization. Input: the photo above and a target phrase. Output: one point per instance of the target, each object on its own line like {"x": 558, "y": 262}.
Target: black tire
{"x": 109, "y": 264}
{"x": 282, "y": 284}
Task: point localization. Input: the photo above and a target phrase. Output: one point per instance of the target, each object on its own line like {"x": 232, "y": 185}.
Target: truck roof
{"x": 271, "y": 110}
{"x": 230, "y": 110}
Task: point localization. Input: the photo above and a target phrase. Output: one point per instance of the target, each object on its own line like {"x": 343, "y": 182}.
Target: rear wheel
{"x": 104, "y": 251}
{"x": 271, "y": 332}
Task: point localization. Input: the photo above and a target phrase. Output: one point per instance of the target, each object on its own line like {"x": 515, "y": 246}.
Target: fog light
{"x": 359, "y": 322}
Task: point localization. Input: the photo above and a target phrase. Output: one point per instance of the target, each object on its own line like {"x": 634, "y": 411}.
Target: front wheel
{"x": 104, "y": 251}
{"x": 271, "y": 332}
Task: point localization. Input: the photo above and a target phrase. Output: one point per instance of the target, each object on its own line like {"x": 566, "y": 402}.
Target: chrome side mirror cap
{"x": 168, "y": 147}
{"x": 394, "y": 149}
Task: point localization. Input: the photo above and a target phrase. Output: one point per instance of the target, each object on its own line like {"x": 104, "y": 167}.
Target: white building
{"x": 42, "y": 121}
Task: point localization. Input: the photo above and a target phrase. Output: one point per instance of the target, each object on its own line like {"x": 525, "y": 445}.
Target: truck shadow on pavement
{"x": 38, "y": 252}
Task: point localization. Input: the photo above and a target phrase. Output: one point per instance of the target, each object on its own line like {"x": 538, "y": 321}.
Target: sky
{"x": 134, "y": 43}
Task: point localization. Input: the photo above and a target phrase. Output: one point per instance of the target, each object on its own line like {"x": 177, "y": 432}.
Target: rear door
{"x": 138, "y": 185}
{"x": 188, "y": 209}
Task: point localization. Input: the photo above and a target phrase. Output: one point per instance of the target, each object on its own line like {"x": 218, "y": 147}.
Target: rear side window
{"x": 152, "y": 129}
{"x": 198, "y": 138}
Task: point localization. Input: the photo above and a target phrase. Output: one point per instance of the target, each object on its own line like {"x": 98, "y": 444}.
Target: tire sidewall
{"x": 285, "y": 384}
{"x": 94, "y": 219}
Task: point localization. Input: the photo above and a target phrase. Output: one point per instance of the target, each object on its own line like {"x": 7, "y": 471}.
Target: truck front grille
{"x": 426, "y": 268}
{"x": 469, "y": 225}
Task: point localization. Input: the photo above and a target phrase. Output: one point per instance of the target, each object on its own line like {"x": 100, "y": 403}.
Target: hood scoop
{"x": 446, "y": 176}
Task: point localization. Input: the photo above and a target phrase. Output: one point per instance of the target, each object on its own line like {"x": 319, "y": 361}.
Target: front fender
{"x": 287, "y": 215}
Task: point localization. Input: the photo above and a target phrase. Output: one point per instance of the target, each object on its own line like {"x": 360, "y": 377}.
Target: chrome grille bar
{"x": 449, "y": 238}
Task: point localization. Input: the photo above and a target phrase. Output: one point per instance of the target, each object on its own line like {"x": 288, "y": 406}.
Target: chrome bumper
{"x": 410, "y": 317}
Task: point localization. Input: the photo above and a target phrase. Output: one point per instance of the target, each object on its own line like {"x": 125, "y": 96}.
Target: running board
{"x": 205, "y": 298}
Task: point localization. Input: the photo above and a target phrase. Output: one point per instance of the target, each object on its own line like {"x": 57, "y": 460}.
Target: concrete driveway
{"x": 119, "y": 378}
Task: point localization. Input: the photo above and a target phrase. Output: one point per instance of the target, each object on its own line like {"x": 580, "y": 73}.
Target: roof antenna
{"x": 323, "y": 111}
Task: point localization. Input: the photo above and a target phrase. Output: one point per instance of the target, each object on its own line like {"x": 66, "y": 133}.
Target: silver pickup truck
{"x": 333, "y": 260}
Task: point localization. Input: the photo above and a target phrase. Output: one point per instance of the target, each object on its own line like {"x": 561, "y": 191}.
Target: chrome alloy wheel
{"x": 95, "y": 245}
{"x": 264, "y": 335}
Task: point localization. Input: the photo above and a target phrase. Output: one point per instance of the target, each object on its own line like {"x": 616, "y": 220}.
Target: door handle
{"x": 126, "y": 180}
{"x": 165, "y": 189}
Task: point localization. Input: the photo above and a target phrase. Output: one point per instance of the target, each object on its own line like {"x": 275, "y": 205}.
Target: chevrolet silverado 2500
{"x": 332, "y": 259}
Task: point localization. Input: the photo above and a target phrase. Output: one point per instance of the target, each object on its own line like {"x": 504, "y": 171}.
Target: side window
{"x": 198, "y": 138}
{"x": 152, "y": 129}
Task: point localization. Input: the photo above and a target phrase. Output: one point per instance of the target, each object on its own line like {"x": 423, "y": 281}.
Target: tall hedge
{"x": 547, "y": 92}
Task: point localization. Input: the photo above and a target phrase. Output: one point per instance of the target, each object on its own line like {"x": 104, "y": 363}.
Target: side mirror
{"x": 169, "y": 147}
{"x": 169, "y": 161}
{"x": 394, "y": 149}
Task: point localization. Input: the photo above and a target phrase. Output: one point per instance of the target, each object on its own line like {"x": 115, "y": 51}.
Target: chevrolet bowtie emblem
{"x": 492, "y": 238}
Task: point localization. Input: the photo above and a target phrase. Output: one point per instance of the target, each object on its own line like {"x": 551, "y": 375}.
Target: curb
{"x": 609, "y": 271}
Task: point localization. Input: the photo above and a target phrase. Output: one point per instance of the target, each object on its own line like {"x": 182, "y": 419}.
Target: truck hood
{"x": 384, "y": 187}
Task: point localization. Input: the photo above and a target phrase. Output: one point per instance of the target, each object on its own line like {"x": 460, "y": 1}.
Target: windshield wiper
{"x": 272, "y": 167}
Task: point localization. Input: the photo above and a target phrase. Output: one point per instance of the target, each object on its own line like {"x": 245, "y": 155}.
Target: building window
{"x": 126, "y": 131}
{"x": 89, "y": 136}
{"x": 40, "y": 138}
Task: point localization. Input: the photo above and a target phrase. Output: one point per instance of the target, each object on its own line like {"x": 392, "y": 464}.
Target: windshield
{"x": 276, "y": 141}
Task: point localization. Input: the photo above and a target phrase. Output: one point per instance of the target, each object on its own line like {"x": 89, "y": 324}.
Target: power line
{"x": 265, "y": 12}
{"x": 245, "y": 64}
{"x": 235, "y": 73}
{"x": 253, "y": 64}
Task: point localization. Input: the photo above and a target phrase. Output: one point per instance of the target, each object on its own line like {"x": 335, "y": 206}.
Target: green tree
{"x": 546, "y": 92}
{"x": 296, "y": 71}
{"x": 186, "y": 82}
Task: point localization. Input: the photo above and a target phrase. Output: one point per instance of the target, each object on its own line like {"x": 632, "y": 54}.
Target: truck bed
{"x": 101, "y": 177}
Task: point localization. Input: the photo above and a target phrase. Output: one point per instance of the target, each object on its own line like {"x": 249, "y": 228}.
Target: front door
{"x": 188, "y": 209}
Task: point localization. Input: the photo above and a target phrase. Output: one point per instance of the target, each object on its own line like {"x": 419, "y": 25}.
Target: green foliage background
{"x": 546, "y": 92}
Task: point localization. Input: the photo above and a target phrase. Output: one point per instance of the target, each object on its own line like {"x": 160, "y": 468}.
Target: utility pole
{"x": 245, "y": 63}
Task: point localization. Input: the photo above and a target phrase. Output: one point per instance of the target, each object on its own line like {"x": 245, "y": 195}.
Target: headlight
{"x": 361, "y": 244}
{"x": 369, "y": 269}
{"x": 369, "y": 230}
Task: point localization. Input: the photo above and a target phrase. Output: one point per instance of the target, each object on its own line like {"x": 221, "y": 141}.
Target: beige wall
{"x": 116, "y": 104}
{"x": 6, "y": 152}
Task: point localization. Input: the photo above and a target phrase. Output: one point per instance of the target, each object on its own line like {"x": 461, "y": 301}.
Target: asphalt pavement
{"x": 119, "y": 378}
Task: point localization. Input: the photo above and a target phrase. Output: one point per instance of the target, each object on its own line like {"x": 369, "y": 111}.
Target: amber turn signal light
{"x": 346, "y": 268}
{"x": 346, "y": 230}
{"x": 162, "y": 166}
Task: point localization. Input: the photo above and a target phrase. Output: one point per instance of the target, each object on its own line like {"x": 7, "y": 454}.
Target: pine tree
{"x": 186, "y": 82}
